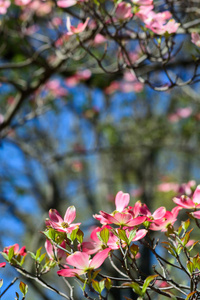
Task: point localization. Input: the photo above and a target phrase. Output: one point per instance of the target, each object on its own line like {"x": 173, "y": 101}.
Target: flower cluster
{"x": 120, "y": 237}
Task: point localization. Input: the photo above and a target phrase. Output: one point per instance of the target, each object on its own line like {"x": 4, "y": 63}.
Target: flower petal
{"x": 70, "y": 272}
{"x": 55, "y": 216}
{"x": 121, "y": 201}
{"x": 80, "y": 260}
{"x": 99, "y": 258}
{"x": 70, "y": 215}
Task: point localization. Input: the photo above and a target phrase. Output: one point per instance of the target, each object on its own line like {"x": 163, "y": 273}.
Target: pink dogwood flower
{"x": 16, "y": 249}
{"x": 142, "y": 209}
{"x": 195, "y": 38}
{"x": 66, "y": 3}
{"x": 95, "y": 244}
{"x": 186, "y": 202}
{"x": 123, "y": 11}
{"x": 56, "y": 253}
{"x": 169, "y": 219}
{"x": 120, "y": 216}
{"x": 75, "y": 30}
{"x": 4, "y": 4}
{"x": 82, "y": 263}
{"x": 60, "y": 224}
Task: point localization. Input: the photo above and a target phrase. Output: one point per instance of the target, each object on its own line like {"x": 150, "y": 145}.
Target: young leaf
{"x": 1, "y": 282}
{"x": 23, "y": 288}
{"x": 190, "y": 294}
{"x": 108, "y": 284}
{"x": 11, "y": 253}
{"x": 135, "y": 286}
{"x": 134, "y": 249}
{"x": 38, "y": 253}
{"x": 122, "y": 235}
{"x": 104, "y": 234}
{"x": 147, "y": 282}
{"x": 96, "y": 287}
{"x": 73, "y": 234}
{"x": 79, "y": 236}
{"x": 190, "y": 267}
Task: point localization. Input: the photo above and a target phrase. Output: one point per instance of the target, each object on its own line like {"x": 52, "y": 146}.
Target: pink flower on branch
{"x": 120, "y": 216}
{"x": 142, "y": 209}
{"x": 60, "y": 224}
{"x": 96, "y": 244}
{"x": 123, "y": 11}
{"x": 169, "y": 219}
{"x": 195, "y": 38}
{"x": 82, "y": 263}
{"x": 16, "y": 249}
{"x": 123, "y": 219}
{"x": 75, "y": 30}
{"x": 4, "y": 4}
{"x": 55, "y": 252}
{"x": 186, "y": 202}
{"x": 66, "y": 3}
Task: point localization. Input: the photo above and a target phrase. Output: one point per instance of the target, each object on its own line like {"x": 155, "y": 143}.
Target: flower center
{"x": 64, "y": 225}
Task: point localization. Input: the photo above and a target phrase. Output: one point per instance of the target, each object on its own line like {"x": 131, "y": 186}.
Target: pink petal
{"x": 49, "y": 248}
{"x": 121, "y": 201}
{"x": 22, "y": 251}
{"x": 70, "y": 272}
{"x": 196, "y": 214}
{"x": 79, "y": 260}
{"x": 122, "y": 219}
{"x": 108, "y": 218}
{"x": 184, "y": 201}
{"x": 136, "y": 221}
{"x": 196, "y": 195}
{"x": 66, "y": 3}
{"x": 70, "y": 215}
{"x": 159, "y": 213}
{"x": 55, "y": 216}
{"x": 99, "y": 258}
{"x": 140, "y": 234}
{"x": 2, "y": 265}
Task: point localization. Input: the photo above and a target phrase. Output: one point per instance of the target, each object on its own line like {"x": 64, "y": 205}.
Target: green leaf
{"x": 186, "y": 238}
{"x": 32, "y": 255}
{"x": 79, "y": 236}
{"x": 96, "y": 287}
{"x": 194, "y": 244}
{"x": 104, "y": 234}
{"x": 95, "y": 273}
{"x": 1, "y": 282}
{"x": 190, "y": 267}
{"x": 122, "y": 235}
{"x": 11, "y": 253}
{"x": 50, "y": 234}
{"x": 23, "y": 288}
{"x": 38, "y": 252}
{"x": 108, "y": 283}
{"x": 190, "y": 294}
{"x": 147, "y": 282}
{"x": 131, "y": 236}
{"x": 42, "y": 257}
{"x": 135, "y": 286}
{"x": 134, "y": 249}
{"x": 186, "y": 224}
{"x": 22, "y": 260}
{"x": 4, "y": 255}
{"x": 73, "y": 234}
{"x": 102, "y": 285}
